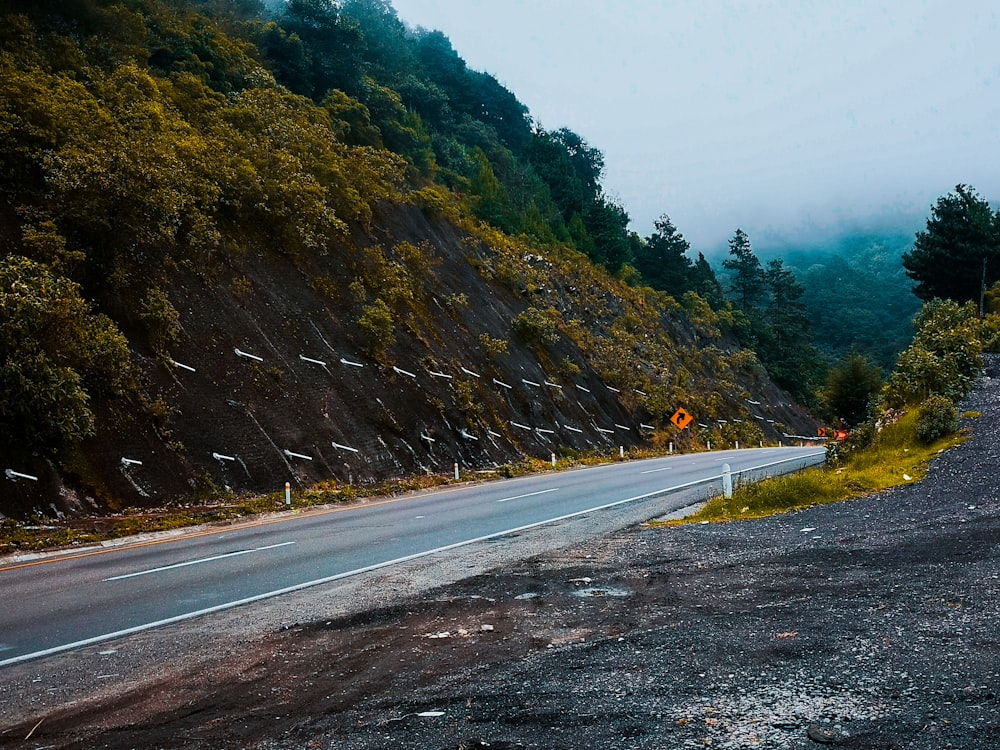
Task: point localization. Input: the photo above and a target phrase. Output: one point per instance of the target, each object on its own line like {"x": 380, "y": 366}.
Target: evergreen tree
{"x": 959, "y": 250}
{"x": 748, "y": 280}
{"x": 704, "y": 282}
{"x": 783, "y": 337}
{"x": 663, "y": 262}
{"x": 607, "y": 225}
{"x": 850, "y": 387}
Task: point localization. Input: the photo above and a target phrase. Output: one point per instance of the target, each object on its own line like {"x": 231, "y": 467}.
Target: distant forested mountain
{"x": 858, "y": 297}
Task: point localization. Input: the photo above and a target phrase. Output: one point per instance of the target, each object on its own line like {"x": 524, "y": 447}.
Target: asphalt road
{"x": 63, "y": 602}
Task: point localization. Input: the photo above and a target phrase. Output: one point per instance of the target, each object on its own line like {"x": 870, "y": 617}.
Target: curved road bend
{"x": 72, "y": 600}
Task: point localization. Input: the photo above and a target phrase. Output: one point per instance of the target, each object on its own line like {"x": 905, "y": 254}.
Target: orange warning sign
{"x": 681, "y": 419}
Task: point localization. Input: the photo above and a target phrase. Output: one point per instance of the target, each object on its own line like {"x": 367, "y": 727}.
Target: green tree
{"x": 552, "y": 162}
{"x": 57, "y": 355}
{"x": 663, "y": 262}
{"x": 944, "y": 358}
{"x": 850, "y": 388}
{"x": 960, "y": 244}
{"x": 859, "y": 299}
{"x": 748, "y": 281}
{"x": 783, "y": 336}
{"x": 607, "y": 225}
{"x": 332, "y": 47}
{"x": 587, "y": 161}
{"x": 491, "y": 200}
{"x": 705, "y": 283}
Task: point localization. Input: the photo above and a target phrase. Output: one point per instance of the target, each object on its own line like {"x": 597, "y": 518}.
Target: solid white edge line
{"x": 367, "y": 569}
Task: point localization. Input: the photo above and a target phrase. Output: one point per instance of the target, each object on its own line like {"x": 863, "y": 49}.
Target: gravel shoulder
{"x": 866, "y": 624}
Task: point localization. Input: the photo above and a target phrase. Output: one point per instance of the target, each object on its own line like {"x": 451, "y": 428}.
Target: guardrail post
{"x": 727, "y": 481}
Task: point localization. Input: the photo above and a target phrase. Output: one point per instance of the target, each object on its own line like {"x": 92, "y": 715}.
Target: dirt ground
{"x": 867, "y": 624}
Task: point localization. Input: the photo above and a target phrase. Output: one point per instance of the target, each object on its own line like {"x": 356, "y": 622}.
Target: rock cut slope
{"x": 490, "y": 352}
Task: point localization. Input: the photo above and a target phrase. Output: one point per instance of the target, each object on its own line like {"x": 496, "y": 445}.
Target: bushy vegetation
{"x": 937, "y": 417}
{"x": 944, "y": 358}
{"x": 56, "y": 353}
{"x": 897, "y": 456}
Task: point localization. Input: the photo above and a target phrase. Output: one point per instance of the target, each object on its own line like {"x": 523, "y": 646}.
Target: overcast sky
{"x": 792, "y": 119}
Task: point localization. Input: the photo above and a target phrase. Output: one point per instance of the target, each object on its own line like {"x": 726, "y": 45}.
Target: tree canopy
{"x": 958, "y": 255}
{"x": 663, "y": 262}
{"x": 748, "y": 283}
{"x": 57, "y": 353}
{"x": 944, "y": 358}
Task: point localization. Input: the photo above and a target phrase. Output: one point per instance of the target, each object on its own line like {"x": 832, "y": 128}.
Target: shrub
{"x": 944, "y": 358}
{"x": 536, "y": 326}
{"x": 991, "y": 332}
{"x": 860, "y": 438}
{"x": 936, "y": 419}
{"x": 492, "y": 347}
{"x": 375, "y": 324}
{"x": 57, "y": 354}
{"x": 161, "y": 319}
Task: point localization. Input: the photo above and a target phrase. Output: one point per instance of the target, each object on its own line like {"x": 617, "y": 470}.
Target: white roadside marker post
{"x": 15, "y": 475}
{"x": 727, "y": 481}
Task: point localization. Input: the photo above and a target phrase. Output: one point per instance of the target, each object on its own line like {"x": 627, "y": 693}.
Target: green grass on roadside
{"x": 896, "y": 458}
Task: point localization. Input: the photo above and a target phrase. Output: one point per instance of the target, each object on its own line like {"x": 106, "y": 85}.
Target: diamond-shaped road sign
{"x": 681, "y": 419}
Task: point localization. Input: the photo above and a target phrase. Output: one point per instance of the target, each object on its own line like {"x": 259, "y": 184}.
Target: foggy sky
{"x": 792, "y": 120}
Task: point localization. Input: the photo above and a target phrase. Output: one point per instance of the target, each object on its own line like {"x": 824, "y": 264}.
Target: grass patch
{"x": 896, "y": 458}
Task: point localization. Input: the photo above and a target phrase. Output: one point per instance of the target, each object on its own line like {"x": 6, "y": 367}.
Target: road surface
{"x": 68, "y": 601}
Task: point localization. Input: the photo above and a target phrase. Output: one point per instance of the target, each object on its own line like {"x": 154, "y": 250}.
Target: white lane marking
{"x": 197, "y": 562}
{"x": 654, "y": 471}
{"x": 369, "y": 568}
{"x": 530, "y": 494}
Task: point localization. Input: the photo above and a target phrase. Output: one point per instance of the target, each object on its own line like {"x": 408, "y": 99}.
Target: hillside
{"x": 272, "y": 300}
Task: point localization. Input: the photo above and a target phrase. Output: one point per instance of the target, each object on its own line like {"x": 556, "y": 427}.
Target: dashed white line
{"x": 197, "y": 562}
{"x": 530, "y": 494}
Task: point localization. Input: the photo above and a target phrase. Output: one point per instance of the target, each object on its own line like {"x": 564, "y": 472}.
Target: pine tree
{"x": 663, "y": 262}
{"x": 748, "y": 281}
{"x": 959, "y": 250}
